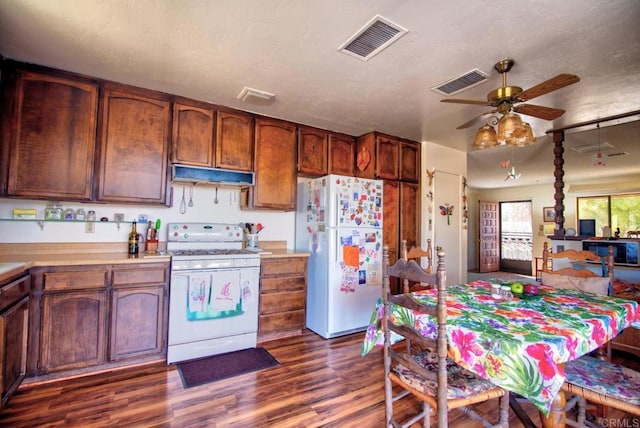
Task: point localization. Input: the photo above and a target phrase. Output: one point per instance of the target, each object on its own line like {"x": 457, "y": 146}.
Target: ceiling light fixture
{"x": 599, "y": 158}
{"x": 512, "y": 131}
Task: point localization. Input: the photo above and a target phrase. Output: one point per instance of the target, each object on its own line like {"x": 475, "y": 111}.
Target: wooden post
{"x": 558, "y": 162}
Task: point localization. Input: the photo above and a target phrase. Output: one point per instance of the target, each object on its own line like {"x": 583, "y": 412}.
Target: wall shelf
{"x": 41, "y": 222}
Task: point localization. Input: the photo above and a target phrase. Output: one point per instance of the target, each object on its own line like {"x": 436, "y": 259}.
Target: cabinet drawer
{"x": 14, "y": 291}
{"x": 282, "y": 284}
{"x": 284, "y": 267}
{"x": 140, "y": 275}
{"x": 75, "y": 280}
{"x": 282, "y": 302}
{"x": 285, "y": 321}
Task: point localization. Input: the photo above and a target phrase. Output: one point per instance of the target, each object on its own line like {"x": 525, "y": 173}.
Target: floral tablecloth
{"x": 521, "y": 344}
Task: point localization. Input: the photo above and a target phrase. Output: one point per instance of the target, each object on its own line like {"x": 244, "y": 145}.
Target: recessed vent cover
{"x": 462, "y": 82}
{"x": 591, "y": 148}
{"x": 371, "y": 39}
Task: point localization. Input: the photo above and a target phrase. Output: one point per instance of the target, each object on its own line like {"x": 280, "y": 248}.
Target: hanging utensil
{"x": 191, "y": 196}
{"x": 215, "y": 200}
{"x": 183, "y": 203}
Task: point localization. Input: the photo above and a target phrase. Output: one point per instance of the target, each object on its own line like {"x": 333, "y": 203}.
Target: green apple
{"x": 517, "y": 288}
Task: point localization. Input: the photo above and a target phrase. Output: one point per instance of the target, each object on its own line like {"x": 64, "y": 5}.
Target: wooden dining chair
{"x": 417, "y": 254}
{"x": 425, "y": 371}
{"x": 594, "y": 378}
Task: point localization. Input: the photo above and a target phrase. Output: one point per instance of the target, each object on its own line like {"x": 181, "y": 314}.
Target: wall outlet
{"x": 89, "y": 227}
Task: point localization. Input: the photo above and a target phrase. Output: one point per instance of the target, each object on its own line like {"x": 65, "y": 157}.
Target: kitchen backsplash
{"x": 278, "y": 225}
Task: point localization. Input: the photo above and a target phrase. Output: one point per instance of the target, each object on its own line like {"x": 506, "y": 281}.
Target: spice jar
{"x": 91, "y": 215}
{"x": 69, "y": 214}
{"x": 53, "y": 211}
{"x": 80, "y": 214}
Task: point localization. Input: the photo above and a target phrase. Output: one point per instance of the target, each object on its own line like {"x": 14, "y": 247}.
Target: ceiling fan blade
{"x": 475, "y": 119}
{"x": 458, "y": 101}
{"x": 547, "y": 113}
{"x": 553, "y": 84}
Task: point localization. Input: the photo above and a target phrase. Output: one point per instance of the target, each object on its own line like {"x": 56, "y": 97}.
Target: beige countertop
{"x": 15, "y": 258}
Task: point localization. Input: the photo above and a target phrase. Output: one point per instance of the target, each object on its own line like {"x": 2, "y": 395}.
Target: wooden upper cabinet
{"x": 410, "y": 161}
{"x": 208, "y": 138}
{"x": 387, "y": 152}
{"x": 312, "y": 151}
{"x": 53, "y": 144}
{"x": 275, "y": 167}
{"x": 134, "y": 147}
{"x": 342, "y": 149}
{"x": 192, "y": 142}
{"x": 234, "y": 141}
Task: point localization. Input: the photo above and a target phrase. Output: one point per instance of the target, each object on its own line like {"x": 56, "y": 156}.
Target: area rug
{"x": 223, "y": 366}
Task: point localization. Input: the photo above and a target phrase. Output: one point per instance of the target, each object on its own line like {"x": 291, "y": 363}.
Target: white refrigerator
{"x": 339, "y": 222}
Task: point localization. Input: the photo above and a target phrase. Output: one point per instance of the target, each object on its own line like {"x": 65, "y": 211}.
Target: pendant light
{"x": 485, "y": 137}
{"x": 599, "y": 158}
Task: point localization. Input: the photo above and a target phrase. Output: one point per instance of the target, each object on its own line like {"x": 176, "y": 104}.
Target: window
{"x": 617, "y": 211}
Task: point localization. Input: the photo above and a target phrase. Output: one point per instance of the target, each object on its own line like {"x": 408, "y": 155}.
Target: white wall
{"x": 278, "y": 225}
{"x": 449, "y": 168}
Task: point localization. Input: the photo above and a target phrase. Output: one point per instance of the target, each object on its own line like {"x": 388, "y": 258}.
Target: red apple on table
{"x": 531, "y": 289}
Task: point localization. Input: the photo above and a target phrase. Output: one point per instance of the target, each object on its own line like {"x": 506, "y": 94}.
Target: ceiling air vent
{"x": 462, "y": 82}
{"x": 371, "y": 39}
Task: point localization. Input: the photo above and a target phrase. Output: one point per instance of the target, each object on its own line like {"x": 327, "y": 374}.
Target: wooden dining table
{"x": 520, "y": 344}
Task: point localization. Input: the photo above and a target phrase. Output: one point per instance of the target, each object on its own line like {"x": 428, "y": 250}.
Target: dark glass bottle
{"x": 133, "y": 239}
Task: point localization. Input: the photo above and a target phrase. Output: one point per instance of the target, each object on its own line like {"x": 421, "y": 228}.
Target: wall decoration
{"x": 447, "y": 210}
{"x": 431, "y": 173}
{"x": 465, "y": 212}
{"x": 548, "y": 214}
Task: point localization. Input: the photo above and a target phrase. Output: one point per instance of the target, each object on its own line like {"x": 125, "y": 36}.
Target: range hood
{"x": 216, "y": 176}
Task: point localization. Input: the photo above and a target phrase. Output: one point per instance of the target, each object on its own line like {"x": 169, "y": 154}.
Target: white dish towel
{"x": 199, "y": 286}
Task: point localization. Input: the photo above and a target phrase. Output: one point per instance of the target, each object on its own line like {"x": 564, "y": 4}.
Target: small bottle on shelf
{"x": 133, "y": 239}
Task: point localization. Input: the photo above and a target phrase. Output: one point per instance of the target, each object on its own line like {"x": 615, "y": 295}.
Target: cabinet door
{"x": 134, "y": 148}
{"x": 13, "y": 347}
{"x": 391, "y": 218}
{"x": 312, "y": 151}
{"x": 410, "y": 161}
{"x": 275, "y": 170}
{"x": 387, "y": 150}
{"x": 234, "y": 141}
{"x": 342, "y": 150}
{"x": 73, "y": 330}
{"x": 391, "y": 223}
{"x": 53, "y": 145}
{"x": 410, "y": 213}
{"x": 137, "y": 326}
{"x": 192, "y": 142}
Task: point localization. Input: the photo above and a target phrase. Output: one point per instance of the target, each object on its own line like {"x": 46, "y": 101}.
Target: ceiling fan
{"x": 506, "y": 98}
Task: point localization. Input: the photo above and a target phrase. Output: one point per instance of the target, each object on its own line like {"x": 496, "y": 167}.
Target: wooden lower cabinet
{"x": 14, "y": 322}
{"x": 73, "y": 330}
{"x": 93, "y": 316}
{"x": 283, "y": 291}
{"x": 138, "y": 304}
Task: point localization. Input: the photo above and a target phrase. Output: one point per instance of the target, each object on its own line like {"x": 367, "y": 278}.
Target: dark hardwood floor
{"x": 320, "y": 383}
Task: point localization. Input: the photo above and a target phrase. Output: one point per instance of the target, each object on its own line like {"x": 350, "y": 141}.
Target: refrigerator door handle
{"x": 337, "y": 228}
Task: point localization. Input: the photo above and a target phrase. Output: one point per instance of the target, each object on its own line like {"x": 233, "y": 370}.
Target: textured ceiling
{"x": 210, "y": 50}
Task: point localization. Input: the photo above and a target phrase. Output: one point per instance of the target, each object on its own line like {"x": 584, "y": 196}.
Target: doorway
{"x": 516, "y": 237}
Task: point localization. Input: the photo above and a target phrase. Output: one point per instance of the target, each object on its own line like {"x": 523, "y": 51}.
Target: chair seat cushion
{"x": 606, "y": 378}
{"x": 461, "y": 383}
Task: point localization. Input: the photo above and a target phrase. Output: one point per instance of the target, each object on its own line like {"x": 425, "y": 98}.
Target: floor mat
{"x": 223, "y": 366}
